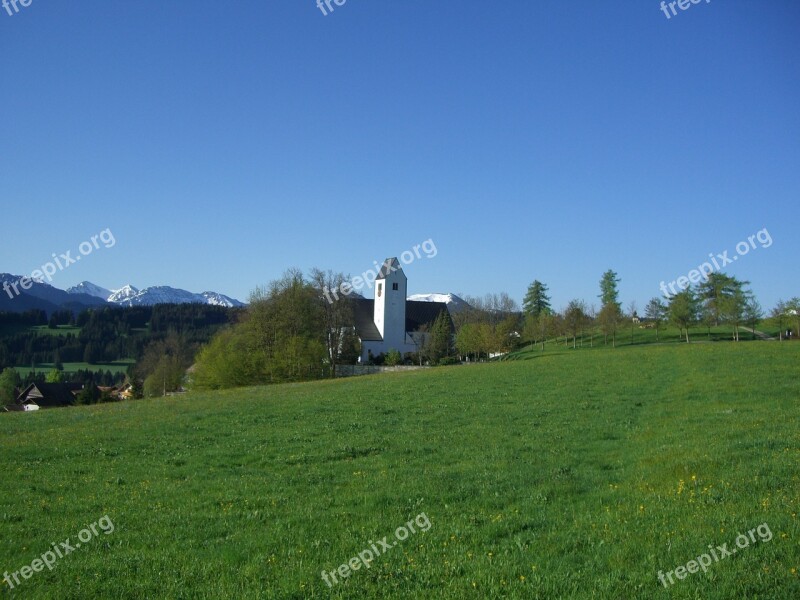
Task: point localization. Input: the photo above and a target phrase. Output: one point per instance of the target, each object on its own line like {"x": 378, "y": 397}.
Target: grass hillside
{"x": 568, "y": 475}
{"x": 117, "y": 366}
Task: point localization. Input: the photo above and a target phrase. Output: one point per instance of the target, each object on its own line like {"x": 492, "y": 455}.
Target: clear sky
{"x": 223, "y": 142}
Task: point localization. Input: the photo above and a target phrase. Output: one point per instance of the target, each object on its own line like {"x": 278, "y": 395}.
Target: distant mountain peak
{"x": 123, "y": 294}
{"x": 454, "y": 303}
{"x": 218, "y": 299}
{"x": 87, "y": 287}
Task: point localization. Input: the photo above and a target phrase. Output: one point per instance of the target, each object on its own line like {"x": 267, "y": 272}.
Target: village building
{"x": 46, "y": 395}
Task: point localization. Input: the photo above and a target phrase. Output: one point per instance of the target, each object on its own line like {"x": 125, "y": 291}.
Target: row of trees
{"x": 541, "y": 322}
{"x": 489, "y": 326}
{"x": 291, "y": 332}
{"x": 495, "y": 325}
{"x": 719, "y": 300}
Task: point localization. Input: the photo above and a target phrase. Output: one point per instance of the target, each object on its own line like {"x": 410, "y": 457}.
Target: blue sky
{"x": 225, "y": 142}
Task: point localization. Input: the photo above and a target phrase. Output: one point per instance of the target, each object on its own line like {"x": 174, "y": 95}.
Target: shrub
{"x": 448, "y": 360}
{"x": 394, "y": 358}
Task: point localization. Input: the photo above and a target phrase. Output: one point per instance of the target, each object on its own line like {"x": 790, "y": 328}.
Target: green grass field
{"x": 119, "y": 366}
{"x": 61, "y": 330}
{"x": 568, "y": 475}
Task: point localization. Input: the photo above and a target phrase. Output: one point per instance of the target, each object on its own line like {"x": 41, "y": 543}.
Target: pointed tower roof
{"x": 390, "y": 265}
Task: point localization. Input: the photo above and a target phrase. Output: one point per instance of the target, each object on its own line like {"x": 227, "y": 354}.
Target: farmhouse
{"x": 390, "y": 321}
{"x": 124, "y": 391}
{"x": 46, "y": 395}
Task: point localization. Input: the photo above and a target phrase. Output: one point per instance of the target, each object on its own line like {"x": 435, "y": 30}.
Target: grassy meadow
{"x": 573, "y": 474}
{"x": 119, "y": 366}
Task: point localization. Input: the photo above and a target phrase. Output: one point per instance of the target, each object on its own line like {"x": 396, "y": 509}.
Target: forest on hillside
{"x": 101, "y": 336}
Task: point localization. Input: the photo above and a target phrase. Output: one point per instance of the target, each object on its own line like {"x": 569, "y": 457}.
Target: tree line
{"x": 719, "y": 300}
{"x": 103, "y": 335}
{"x": 290, "y": 331}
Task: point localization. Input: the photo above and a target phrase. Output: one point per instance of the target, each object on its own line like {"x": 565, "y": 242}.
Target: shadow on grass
{"x": 528, "y": 356}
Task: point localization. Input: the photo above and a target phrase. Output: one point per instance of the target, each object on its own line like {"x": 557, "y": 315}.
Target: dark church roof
{"x": 418, "y": 313}
{"x": 363, "y": 310}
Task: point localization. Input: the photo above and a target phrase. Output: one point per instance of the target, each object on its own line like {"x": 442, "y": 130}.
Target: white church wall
{"x": 395, "y": 308}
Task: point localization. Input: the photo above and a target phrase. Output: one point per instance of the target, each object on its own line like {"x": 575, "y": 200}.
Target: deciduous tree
{"x": 780, "y": 315}
{"x": 656, "y": 311}
{"x": 437, "y": 343}
{"x": 633, "y": 316}
{"x": 575, "y": 318}
{"x": 716, "y": 292}
{"x": 609, "y": 318}
{"x": 54, "y": 376}
{"x": 753, "y": 313}
{"x": 683, "y": 310}
{"x": 337, "y": 311}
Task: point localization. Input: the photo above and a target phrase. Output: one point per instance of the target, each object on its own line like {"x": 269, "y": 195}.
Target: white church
{"x": 390, "y": 321}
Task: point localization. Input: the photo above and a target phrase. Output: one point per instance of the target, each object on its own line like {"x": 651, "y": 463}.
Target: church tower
{"x": 390, "y": 304}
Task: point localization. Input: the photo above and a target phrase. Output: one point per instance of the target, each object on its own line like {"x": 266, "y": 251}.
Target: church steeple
{"x": 390, "y": 302}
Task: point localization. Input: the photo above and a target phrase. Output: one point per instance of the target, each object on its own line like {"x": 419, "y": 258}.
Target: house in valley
{"x": 46, "y": 395}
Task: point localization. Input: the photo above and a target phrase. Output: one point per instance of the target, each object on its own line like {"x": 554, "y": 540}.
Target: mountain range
{"x": 160, "y": 294}
{"x": 86, "y": 294}
{"x": 44, "y": 296}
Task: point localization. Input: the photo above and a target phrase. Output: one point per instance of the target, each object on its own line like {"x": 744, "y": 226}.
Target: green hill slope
{"x": 573, "y": 474}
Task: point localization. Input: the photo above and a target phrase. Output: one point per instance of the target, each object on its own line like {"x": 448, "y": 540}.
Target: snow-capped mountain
{"x": 87, "y": 287}
{"x": 454, "y": 303}
{"x": 217, "y": 299}
{"x": 163, "y": 294}
{"x": 160, "y": 294}
{"x": 123, "y": 294}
